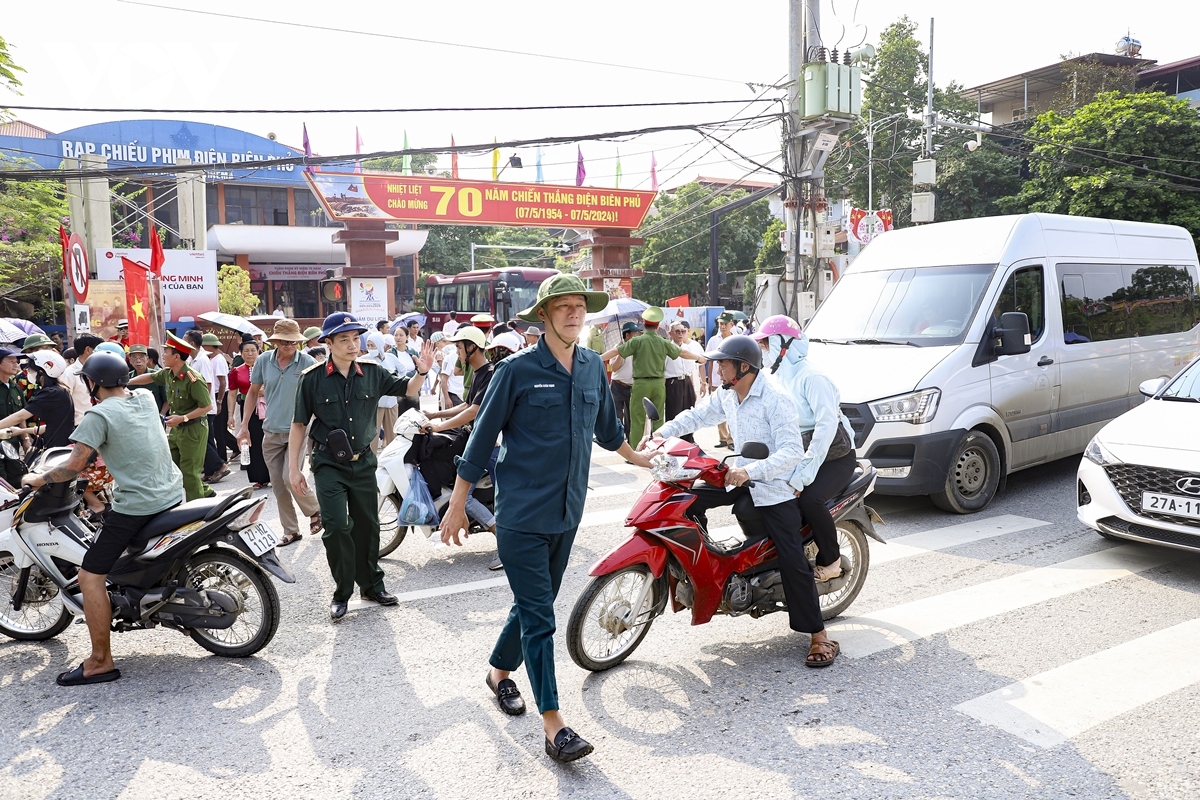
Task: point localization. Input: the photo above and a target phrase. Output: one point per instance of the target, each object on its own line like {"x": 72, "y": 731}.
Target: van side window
{"x": 1024, "y": 291}
{"x": 1094, "y": 306}
{"x": 1161, "y": 300}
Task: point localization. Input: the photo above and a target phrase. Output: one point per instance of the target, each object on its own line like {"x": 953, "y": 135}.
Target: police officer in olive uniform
{"x": 188, "y": 404}
{"x": 340, "y": 398}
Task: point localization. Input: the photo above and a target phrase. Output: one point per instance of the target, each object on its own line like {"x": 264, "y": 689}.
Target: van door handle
{"x": 1045, "y": 361}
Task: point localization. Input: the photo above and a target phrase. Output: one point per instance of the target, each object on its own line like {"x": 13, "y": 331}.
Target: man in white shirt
{"x": 680, "y": 373}
{"x": 724, "y": 331}
{"x": 215, "y": 467}
{"x": 621, "y": 385}
{"x": 451, "y": 389}
{"x": 80, "y": 397}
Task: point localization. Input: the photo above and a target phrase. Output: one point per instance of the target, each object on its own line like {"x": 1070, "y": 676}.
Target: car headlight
{"x": 1098, "y": 454}
{"x": 916, "y": 407}
{"x": 670, "y": 469}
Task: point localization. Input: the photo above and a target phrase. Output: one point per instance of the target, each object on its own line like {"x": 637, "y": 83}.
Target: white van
{"x": 947, "y": 398}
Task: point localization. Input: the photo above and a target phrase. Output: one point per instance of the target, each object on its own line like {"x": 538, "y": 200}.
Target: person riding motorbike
{"x": 829, "y": 458}
{"x": 125, "y": 428}
{"x": 757, "y": 409}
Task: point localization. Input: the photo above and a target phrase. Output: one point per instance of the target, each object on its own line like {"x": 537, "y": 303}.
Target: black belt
{"x": 192, "y": 421}
{"x": 680, "y": 378}
{"x": 323, "y": 448}
{"x": 623, "y": 383}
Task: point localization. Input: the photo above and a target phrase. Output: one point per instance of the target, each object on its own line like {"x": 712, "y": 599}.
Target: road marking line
{"x": 1052, "y": 707}
{"x": 616, "y": 489}
{"x": 608, "y": 516}
{"x": 950, "y": 536}
{"x": 456, "y": 588}
{"x": 920, "y": 619}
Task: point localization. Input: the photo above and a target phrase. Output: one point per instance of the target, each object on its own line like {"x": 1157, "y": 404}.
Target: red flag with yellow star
{"x": 137, "y": 301}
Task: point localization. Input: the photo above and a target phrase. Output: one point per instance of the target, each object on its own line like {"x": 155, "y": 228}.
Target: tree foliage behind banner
{"x": 675, "y": 256}
{"x": 1133, "y": 156}
{"x": 30, "y": 254}
{"x": 233, "y": 291}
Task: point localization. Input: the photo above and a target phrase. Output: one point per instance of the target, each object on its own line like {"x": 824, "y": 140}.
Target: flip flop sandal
{"x": 314, "y": 524}
{"x": 75, "y": 677}
{"x": 290, "y": 538}
{"x": 828, "y": 648}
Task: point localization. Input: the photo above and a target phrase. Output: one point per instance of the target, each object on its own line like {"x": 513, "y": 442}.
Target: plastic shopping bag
{"x": 418, "y": 507}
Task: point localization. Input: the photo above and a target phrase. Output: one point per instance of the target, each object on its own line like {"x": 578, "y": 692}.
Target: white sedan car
{"x": 1140, "y": 476}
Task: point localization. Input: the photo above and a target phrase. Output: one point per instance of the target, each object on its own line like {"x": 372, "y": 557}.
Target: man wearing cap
{"x": 650, "y": 353}
{"x": 340, "y": 399}
{"x": 312, "y": 337}
{"x": 724, "y": 331}
{"x": 139, "y": 360}
{"x": 551, "y": 402}
{"x": 621, "y": 384}
{"x": 188, "y": 404}
{"x": 680, "y": 374}
{"x": 12, "y": 400}
{"x": 532, "y": 332}
{"x": 276, "y": 375}
{"x": 122, "y": 332}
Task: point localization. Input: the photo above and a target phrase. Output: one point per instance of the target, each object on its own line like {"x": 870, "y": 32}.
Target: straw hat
{"x": 286, "y": 330}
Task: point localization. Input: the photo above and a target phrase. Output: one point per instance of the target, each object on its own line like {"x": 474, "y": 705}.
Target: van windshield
{"x": 926, "y": 307}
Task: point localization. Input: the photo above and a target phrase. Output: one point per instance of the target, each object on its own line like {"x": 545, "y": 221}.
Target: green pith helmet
{"x": 560, "y": 285}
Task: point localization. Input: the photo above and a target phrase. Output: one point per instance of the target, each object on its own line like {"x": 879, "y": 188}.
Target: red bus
{"x": 459, "y": 297}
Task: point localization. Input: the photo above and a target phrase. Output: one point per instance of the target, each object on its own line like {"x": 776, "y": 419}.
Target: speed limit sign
{"x": 77, "y": 268}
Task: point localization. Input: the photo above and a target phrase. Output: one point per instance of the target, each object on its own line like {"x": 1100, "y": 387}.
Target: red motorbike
{"x": 669, "y": 556}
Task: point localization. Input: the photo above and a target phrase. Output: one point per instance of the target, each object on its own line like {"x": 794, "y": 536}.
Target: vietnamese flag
{"x": 64, "y": 241}
{"x": 453, "y": 159}
{"x": 137, "y": 301}
{"x": 157, "y": 257}
{"x": 682, "y": 301}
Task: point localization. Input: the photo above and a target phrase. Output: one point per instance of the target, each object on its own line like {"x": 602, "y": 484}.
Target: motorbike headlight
{"x": 1098, "y": 454}
{"x": 915, "y": 407}
{"x": 669, "y": 469}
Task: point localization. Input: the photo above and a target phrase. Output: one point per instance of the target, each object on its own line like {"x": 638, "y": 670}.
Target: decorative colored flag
{"x": 653, "y": 173}
{"x": 137, "y": 301}
{"x": 453, "y": 160}
{"x": 495, "y": 162}
{"x": 406, "y": 161}
{"x": 157, "y": 257}
{"x": 358, "y": 145}
{"x": 64, "y": 240}
{"x": 682, "y": 301}
{"x": 540, "y": 178}
{"x": 580, "y": 172}
{"x": 308, "y": 151}
{"x": 618, "y": 168}
{"x": 885, "y": 219}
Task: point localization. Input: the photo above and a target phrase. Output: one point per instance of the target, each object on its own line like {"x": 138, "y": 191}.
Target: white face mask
{"x": 774, "y": 347}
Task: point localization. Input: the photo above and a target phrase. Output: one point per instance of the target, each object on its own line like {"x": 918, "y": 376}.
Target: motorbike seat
{"x": 858, "y": 480}
{"x": 181, "y": 515}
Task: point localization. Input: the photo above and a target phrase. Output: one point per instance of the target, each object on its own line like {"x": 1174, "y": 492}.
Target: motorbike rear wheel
{"x": 391, "y": 532}
{"x": 598, "y": 637}
{"x": 852, "y": 542}
{"x": 42, "y": 616}
{"x": 235, "y": 575}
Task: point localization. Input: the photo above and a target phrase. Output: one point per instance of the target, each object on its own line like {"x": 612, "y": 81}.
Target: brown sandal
{"x": 314, "y": 524}
{"x": 825, "y": 651}
{"x": 290, "y": 538}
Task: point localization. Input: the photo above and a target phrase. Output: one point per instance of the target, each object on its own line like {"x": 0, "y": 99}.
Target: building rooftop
{"x": 19, "y": 128}
{"x": 1043, "y": 79}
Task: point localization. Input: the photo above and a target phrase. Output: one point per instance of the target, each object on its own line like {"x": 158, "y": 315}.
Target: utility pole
{"x": 929, "y": 119}
{"x": 804, "y": 24}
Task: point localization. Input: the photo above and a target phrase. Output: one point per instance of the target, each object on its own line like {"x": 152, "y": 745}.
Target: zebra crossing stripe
{"x": 890, "y": 627}
{"x": 950, "y": 536}
{"x": 1052, "y": 707}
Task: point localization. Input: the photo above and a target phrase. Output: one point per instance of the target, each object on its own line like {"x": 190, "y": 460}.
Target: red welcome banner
{"x": 445, "y": 201}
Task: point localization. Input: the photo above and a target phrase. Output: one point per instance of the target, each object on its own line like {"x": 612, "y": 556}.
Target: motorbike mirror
{"x": 755, "y": 450}
{"x": 651, "y": 411}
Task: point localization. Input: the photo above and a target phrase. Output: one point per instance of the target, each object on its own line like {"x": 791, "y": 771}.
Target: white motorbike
{"x": 392, "y": 477}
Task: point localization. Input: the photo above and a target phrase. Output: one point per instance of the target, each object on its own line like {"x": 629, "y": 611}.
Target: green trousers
{"x": 656, "y": 390}
{"x": 188, "y": 443}
{"x": 349, "y": 500}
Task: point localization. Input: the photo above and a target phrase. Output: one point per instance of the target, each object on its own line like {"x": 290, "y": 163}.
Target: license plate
{"x": 259, "y": 538}
{"x": 1171, "y": 504}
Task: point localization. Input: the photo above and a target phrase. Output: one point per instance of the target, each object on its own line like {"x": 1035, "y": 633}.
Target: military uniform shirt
{"x": 159, "y": 391}
{"x": 12, "y": 398}
{"x": 186, "y": 391}
{"x": 650, "y": 352}
{"x": 332, "y": 401}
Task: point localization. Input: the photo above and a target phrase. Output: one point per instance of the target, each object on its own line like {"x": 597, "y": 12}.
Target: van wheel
{"x": 973, "y": 478}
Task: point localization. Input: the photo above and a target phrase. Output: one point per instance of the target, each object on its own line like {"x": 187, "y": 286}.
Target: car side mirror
{"x": 755, "y": 450}
{"x": 1013, "y": 333}
{"x": 651, "y": 411}
{"x": 1152, "y": 387}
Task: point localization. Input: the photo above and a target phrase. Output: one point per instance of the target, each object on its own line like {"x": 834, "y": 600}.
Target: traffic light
{"x": 333, "y": 289}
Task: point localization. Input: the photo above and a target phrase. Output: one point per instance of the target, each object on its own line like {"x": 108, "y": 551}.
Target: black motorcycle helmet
{"x": 104, "y": 369}
{"x": 741, "y": 349}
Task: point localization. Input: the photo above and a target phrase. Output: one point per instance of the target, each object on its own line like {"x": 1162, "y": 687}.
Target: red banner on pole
{"x": 682, "y": 301}
{"x": 137, "y": 301}
{"x": 445, "y": 201}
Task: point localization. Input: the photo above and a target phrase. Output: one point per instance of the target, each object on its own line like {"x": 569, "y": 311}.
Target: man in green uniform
{"x": 188, "y": 404}
{"x": 340, "y": 397}
{"x": 650, "y": 353}
{"x": 139, "y": 359}
{"x": 12, "y": 400}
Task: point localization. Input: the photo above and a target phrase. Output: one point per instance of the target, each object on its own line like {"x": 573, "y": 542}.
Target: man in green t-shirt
{"x": 650, "y": 353}
{"x": 124, "y": 427}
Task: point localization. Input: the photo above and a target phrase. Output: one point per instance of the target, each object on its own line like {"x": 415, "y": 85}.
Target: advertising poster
{"x": 368, "y": 300}
{"x": 106, "y": 305}
{"x": 619, "y": 288}
{"x": 189, "y": 279}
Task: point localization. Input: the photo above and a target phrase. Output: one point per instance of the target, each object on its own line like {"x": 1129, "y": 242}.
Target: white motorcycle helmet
{"x": 506, "y": 341}
{"x": 49, "y": 362}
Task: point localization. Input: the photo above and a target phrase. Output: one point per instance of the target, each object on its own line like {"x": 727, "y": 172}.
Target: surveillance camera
{"x": 971, "y": 145}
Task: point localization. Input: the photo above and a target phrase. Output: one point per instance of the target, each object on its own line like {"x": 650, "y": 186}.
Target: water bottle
{"x": 245, "y": 455}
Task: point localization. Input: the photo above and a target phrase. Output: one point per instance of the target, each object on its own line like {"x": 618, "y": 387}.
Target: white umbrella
{"x": 618, "y": 310}
{"x": 231, "y": 321}
{"x": 10, "y": 333}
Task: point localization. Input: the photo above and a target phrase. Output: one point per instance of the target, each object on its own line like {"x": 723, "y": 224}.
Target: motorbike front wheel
{"x": 42, "y": 615}
{"x": 598, "y": 635}
{"x": 391, "y": 532}
{"x": 258, "y": 616}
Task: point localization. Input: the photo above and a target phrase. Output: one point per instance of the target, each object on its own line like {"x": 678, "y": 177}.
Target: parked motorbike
{"x": 392, "y": 477}
{"x": 670, "y": 557}
{"x": 199, "y": 568}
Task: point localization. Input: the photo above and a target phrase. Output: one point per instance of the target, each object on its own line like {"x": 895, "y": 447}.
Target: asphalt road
{"x": 1013, "y": 653}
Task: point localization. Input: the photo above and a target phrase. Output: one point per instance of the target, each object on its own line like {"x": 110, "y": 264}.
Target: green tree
{"x": 675, "y": 256}
{"x": 1133, "y": 156}
{"x": 233, "y": 291}
{"x": 769, "y": 261}
{"x": 1087, "y": 77}
{"x": 973, "y": 184}
{"x": 30, "y": 254}
{"x": 8, "y": 69}
{"x": 396, "y": 163}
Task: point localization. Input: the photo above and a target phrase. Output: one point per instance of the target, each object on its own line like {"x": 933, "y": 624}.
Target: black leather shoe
{"x": 383, "y": 597}
{"x": 508, "y": 695}
{"x": 337, "y": 610}
{"x": 568, "y": 746}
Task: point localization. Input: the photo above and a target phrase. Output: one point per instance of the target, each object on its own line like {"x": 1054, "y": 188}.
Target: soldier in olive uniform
{"x": 12, "y": 400}
{"x": 188, "y": 404}
{"x": 340, "y": 397}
